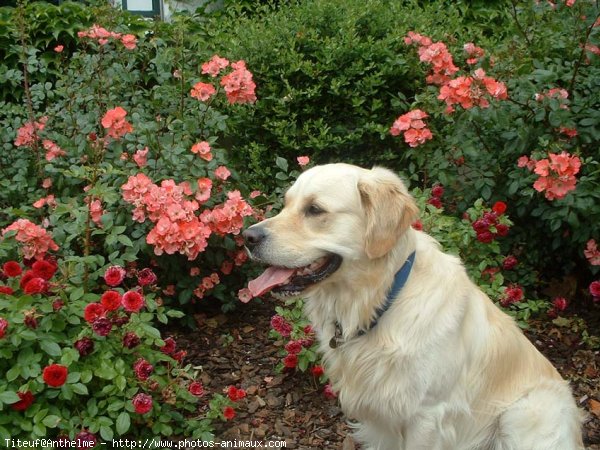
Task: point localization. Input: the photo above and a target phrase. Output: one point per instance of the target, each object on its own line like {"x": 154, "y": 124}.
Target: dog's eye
{"x": 314, "y": 210}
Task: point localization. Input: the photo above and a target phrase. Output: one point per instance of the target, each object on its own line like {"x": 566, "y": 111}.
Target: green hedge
{"x": 331, "y": 76}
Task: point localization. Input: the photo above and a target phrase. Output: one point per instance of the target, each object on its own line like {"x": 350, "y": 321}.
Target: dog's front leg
{"x": 426, "y": 432}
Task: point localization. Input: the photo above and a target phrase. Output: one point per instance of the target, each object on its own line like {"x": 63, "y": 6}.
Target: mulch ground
{"x": 235, "y": 349}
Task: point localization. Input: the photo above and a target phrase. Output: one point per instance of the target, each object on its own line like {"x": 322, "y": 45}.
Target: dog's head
{"x": 333, "y": 215}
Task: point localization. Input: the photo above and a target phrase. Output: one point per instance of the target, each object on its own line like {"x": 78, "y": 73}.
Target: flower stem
{"x": 581, "y": 56}
{"x": 20, "y": 17}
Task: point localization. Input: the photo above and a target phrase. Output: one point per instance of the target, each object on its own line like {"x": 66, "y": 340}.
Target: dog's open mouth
{"x": 285, "y": 281}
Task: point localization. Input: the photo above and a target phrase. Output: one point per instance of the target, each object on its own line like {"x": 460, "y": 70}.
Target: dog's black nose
{"x": 253, "y": 236}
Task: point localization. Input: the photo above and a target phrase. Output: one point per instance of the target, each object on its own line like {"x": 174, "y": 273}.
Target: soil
{"x": 235, "y": 349}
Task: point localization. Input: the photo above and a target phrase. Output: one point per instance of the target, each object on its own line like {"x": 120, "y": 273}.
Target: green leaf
{"x": 68, "y": 356}
{"x": 67, "y": 391}
{"x": 303, "y": 364}
{"x": 86, "y": 376}
{"x": 106, "y": 433}
{"x": 73, "y": 377}
{"x": 77, "y": 293}
{"x": 9, "y": 397}
{"x": 125, "y": 240}
{"x": 80, "y": 388}
{"x": 52, "y": 348}
{"x": 13, "y": 373}
{"x": 39, "y": 429}
{"x": 282, "y": 163}
{"x": 150, "y": 330}
{"x": 123, "y": 423}
{"x": 175, "y": 313}
{"x": 51, "y": 421}
{"x": 121, "y": 382}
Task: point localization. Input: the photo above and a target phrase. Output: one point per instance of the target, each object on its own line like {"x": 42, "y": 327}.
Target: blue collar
{"x": 399, "y": 282}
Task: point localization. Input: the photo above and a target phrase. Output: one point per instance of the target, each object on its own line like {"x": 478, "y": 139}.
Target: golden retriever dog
{"x": 420, "y": 357}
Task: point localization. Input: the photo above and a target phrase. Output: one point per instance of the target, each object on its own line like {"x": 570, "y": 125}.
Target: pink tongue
{"x": 269, "y": 279}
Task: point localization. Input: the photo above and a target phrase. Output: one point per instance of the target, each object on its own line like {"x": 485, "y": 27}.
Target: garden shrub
{"x": 536, "y": 146}
{"x": 118, "y": 160}
{"x": 328, "y": 74}
{"x": 90, "y": 365}
{"x": 128, "y": 111}
{"x": 333, "y": 77}
{"x": 44, "y": 26}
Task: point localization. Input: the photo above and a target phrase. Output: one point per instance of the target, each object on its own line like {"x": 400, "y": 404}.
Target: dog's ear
{"x": 389, "y": 210}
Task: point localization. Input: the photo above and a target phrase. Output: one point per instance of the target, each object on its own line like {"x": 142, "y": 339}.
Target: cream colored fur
{"x": 444, "y": 369}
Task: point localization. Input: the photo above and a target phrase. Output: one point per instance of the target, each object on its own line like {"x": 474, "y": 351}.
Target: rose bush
{"x": 99, "y": 350}
{"x": 118, "y": 160}
{"x": 482, "y": 97}
{"x": 527, "y": 136}
{"x": 130, "y": 133}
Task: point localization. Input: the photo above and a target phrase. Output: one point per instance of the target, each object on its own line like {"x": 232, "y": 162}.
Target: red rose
{"x": 3, "y": 327}
{"x": 280, "y": 325}
{"x": 595, "y": 289}
{"x": 560, "y": 303}
{"x": 437, "y": 191}
{"x": 36, "y": 286}
{"x": 44, "y": 269}
{"x": 480, "y": 225}
{"x": 436, "y": 202}
{"x": 146, "y": 277}
{"x": 235, "y": 394}
{"x": 178, "y": 356}
{"x": 169, "y": 346}
{"x": 317, "y": 371}
{"x": 293, "y": 347}
{"x": 329, "y": 392}
{"x": 84, "y": 439}
{"x": 26, "y": 399}
{"x": 27, "y": 277}
{"x": 417, "y": 225}
{"x": 143, "y": 369}
{"x": 228, "y": 413}
{"x": 114, "y": 275}
{"x": 307, "y": 342}
{"x": 57, "y": 305}
{"x": 84, "y": 346}
{"x": 502, "y": 229}
{"x": 512, "y": 294}
{"x": 509, "y": 262}
{"x": 6, "y": 290}
{"x": 499, "y": 208}
{"x": 102, "y": 326}
{"x": 111, "y": 300}
{"x": 55, "y": 375}
{"x": 29, "y": 319}
{"x": 132, "y": 301}
{"x": 12, "y": 269}
{"x": 290, "y": 361}
{"x": 93, "y": 311}
{"x": 142, "y": 403}
{"x": 131, "y": 340}
{"x": 485, "y": 236}
{"x": 196, "y": 388}
{"x": 490, "y": 217}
